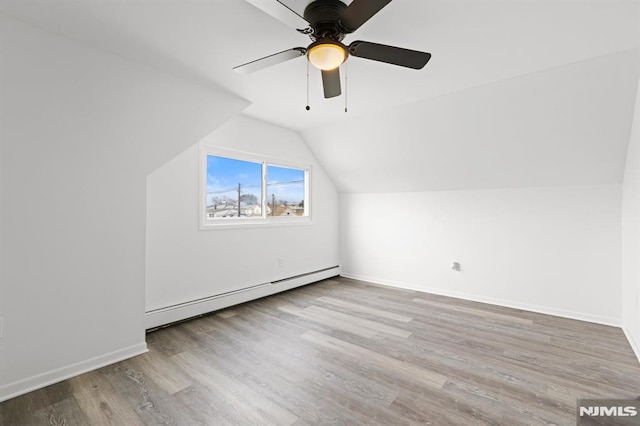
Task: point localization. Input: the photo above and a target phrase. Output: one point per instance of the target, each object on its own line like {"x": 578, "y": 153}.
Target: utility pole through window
{"x": 273, "y": 204}
{"x": 239, "y": 187}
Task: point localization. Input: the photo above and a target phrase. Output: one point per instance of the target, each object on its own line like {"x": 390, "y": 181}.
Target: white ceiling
{"x": 472, "y": 42}
{"x": 517, "y": 93}
{"x": 566, "y": 126}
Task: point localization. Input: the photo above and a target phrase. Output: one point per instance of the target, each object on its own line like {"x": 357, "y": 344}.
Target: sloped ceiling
{"x": 565, "y": 126}
{"x": 518, "y": 92}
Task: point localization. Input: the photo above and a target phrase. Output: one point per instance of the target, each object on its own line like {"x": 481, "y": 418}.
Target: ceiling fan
{"x": 329, "y": 22}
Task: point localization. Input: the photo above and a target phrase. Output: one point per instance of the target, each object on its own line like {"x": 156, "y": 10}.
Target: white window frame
{"x": 265, "y": 220}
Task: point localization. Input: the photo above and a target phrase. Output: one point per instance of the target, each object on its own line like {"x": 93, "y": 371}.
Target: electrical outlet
{"x": 280, "y": 261}
{"x": 456, "y": 266}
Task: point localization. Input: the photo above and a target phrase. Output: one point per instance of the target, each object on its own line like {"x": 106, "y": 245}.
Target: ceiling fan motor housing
{"x": 324, "y": 17}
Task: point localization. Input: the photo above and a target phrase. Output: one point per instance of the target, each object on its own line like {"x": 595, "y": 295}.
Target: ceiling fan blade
{"x": 282, "y": 14}
{"x": 331, "y": 83}
{"x": 360, "y": 11}
{"x": 270, "y": 60}
{"x": 389, "y": 54}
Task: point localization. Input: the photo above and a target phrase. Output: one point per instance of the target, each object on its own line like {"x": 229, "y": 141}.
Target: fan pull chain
{"x": 346, "y": 77}
{"x": 308, "y": 107}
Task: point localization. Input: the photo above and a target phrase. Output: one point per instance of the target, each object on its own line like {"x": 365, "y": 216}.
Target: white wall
{"x": 81, "y": 130}
{"x": 631, "y": 235}
{"x": 185, "y": 264}
{"x": 2, "y": 345}
{"x": 553, "y": 250}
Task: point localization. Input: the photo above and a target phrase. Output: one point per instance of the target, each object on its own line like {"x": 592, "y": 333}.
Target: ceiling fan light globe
{"x": 327, "y": 56}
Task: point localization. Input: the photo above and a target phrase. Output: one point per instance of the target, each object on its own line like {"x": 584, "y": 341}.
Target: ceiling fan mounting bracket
{"x": 305, "y": 31}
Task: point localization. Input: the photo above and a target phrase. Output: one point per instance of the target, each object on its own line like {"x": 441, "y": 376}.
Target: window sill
{"x": 258, "y": 223}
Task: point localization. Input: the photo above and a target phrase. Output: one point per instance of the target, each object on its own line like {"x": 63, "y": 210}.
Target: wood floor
{"x": 350, "y": 353}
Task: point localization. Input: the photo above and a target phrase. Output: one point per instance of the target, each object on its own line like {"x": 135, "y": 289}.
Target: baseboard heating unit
{"x": 179, "y": 312}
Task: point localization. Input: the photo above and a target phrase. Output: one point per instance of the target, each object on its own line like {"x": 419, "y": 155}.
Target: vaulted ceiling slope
{"x": 566, "y": 126}
{"x": 517, "y": 93}
{"x": 473, "y": 42}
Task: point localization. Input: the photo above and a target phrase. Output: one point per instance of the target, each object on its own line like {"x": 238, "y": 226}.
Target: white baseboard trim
{"x": 41, "y": 380}
{"x": 615, "y": 322}
{"x": 182, "y": 311}
{"x": 632, "y": 342}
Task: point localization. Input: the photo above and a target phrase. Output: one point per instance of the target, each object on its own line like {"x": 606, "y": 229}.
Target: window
{"x": 285, "y": 186}
{"x": 234, "y": 188}
{"x": 242, "y": 189}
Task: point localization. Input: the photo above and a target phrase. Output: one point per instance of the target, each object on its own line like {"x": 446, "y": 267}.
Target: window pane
{"x": 234, "y": 188}
{"x": 285, "y": 191}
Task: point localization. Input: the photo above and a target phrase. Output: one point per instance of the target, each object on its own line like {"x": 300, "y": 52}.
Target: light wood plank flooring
{"x": 351, "y": 353}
